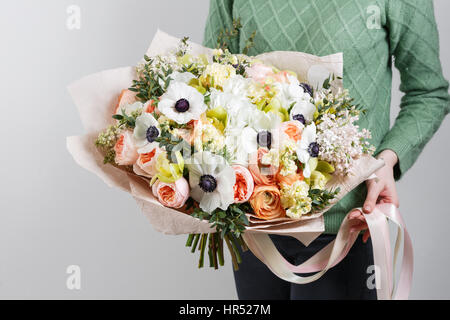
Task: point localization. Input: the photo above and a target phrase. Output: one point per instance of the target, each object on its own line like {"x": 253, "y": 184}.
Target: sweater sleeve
{"x": 414, "y": 44}
{"x": 220, "y": 18}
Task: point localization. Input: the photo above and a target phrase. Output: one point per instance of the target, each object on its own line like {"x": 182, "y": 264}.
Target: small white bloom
{"x": 305, "y": 146}
{"x": 239, "y": 109}
{"x": 212, "y": 181}
{"x": 265, "y": 121}
{"x": 237, "y": 85}
{"x": 290, "y": 92}
{"x": 182, "y": 103}
{"x": 146, "y": 131}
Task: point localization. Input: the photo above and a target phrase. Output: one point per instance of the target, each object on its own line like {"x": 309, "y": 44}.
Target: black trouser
{"x": 347, "y": 280}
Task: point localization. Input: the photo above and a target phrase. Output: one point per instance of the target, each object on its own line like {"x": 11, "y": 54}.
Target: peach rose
{"x": 172, "y": 195}
{"x": 146, "y": 162}
{"x": 292, "y": 129}
{"x": 126, "y": 151}
{"x": 266, "y": 202}
{"x": 126, "y": 97}
{"x": 244, "y": 186}
{"x": 262, "y": 175}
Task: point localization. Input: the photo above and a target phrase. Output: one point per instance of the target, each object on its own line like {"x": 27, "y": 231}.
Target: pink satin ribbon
{"x": 262, "y": 246}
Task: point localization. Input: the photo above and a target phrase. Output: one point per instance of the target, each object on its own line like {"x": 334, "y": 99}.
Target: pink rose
{"x": 259, "y": 72}
{"x": 126, "y": 151}
{"x": 172, "y": 195}
{"x": 244, "y": 186}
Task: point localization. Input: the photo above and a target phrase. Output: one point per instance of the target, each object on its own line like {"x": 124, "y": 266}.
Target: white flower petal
{"x": 303, "y": 155}
{"x": 184, "y": 77}
{"x": 210, "y": 201}
{"x": 306, "y": 171}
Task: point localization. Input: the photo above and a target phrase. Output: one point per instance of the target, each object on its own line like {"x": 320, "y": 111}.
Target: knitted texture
{"x": 371, "y": 34}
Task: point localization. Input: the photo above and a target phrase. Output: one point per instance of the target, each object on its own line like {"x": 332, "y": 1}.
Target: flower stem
{"x": 194, "y": 246}
{"x": 212, "y": 237}
{"x": 235, "y": 248}
{"x": 203, "y": 244}
{"x": 232, "y": 253}
{"x": 219, "y": 240}
{"x": 211, "y": 261}
{"x": 243, "y": 244}
{"x": 189, "y": 240}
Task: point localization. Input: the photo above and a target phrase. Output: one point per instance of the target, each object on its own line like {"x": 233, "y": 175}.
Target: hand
{"x": 379, "y": 190}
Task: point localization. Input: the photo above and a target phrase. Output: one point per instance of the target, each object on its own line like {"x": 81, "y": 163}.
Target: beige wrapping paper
{"x": 95, "y": 97}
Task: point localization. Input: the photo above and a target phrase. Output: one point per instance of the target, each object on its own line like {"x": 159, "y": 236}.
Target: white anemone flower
{"x": 146, "y": 131}
{"x": 290, "y": 92}
{"x": 303, "y": 111}
{"x": 211, "y": 180}
{"x": 184, "y": 77}
{"x": 182, "y": 103}
{"x": 262, "y": 131}
{"x": 308, "y": 148}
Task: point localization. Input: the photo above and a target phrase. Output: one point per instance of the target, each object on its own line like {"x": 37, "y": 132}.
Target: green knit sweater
{"x": 371, "y": 34}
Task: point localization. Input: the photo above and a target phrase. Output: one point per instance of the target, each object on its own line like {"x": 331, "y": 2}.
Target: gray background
{"x": 54, "y": 214}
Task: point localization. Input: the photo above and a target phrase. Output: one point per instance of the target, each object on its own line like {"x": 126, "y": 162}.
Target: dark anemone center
{"x": 152, "y": 134}
{"x": 208, "y": 183}
{"x": 307, "y": 88}
{"x": 314, "y": 149}
{"x": 182, "y": 105}
{"x": 300, "y": 118}
{"x": 264, "y": 139}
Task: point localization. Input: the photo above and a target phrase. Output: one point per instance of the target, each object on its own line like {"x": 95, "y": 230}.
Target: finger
{"x": 354, "y": 214}
{"x": 359, "y": 227}
{"x": 366, "y": 236}
{"x": 373, "y": 192}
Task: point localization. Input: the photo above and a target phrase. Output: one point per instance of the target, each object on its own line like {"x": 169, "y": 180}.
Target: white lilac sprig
{"x": 341, "y": 141}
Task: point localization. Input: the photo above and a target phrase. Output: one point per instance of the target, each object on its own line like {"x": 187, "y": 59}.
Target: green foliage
{"x": 126, "y": 121}
{"x": 249, "y": 43}
{"x": 226, "y": 36}
{"x": 171, "y": 143}
{"x": 153, "y": 80}
{"x": 335, "y": 103}
{"x": 227, "y": 222}
{"x": 321, "y": 198}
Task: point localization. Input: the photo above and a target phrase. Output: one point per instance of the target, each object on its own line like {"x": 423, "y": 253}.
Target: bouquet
{"x": 215, "y": 145}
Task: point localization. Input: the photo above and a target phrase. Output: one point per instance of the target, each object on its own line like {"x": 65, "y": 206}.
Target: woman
{"x": 370, "y": 33}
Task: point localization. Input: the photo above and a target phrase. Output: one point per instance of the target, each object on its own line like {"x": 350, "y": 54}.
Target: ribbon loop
{"x": 263, "y": 248}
